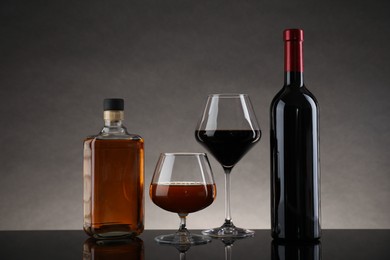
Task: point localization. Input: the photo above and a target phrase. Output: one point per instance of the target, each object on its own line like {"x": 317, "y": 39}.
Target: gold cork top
{"x": 113, "y": 115}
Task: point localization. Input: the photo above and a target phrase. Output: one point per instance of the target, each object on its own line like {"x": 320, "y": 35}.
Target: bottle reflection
{"x": 295, "y": 250}
{"x": 113, "y": 249}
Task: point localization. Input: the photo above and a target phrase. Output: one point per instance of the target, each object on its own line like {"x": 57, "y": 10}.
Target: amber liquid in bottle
{"x": 113, "y": 183}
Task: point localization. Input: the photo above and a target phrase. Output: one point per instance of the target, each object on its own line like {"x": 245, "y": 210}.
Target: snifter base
{"x": 179, "y": 240}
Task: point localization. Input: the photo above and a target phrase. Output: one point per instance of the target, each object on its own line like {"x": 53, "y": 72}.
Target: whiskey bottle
{"x": 113, "y": 178}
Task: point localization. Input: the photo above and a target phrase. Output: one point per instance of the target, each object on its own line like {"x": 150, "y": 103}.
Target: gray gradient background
{"x": 59, "y": 59}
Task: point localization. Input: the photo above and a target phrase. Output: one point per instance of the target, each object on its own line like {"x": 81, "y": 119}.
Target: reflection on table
{"x": 334, "y": 245}
{"x": 295, "y": 250}
{"x": 113, "y": 249}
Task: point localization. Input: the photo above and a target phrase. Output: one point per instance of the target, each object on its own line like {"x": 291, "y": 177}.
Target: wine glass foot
{"x": 177, "y": 240}
{"x": 228, "y": 230}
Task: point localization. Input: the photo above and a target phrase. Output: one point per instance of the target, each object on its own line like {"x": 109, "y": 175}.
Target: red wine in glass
{"x": 228, "y": 146}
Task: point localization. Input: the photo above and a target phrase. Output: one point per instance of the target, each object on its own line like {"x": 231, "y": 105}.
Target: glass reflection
{"x": 228, "y": 242}
{"x": 182, "y": 248}
{"x": 113, "y": 249}
{"x": 295, "y": 250}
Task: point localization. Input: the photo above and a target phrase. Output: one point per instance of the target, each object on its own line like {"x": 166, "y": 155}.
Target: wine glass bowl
{"x": 183, "y": 183}
{"x": 228, "y": 129}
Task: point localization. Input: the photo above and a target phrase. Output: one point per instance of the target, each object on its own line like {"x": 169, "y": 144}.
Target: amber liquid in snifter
{"x": 182, "y": 197}
{"x": 113, "y": 183}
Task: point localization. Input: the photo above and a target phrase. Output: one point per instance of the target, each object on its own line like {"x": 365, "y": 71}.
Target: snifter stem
{"x": 183, "y": 218}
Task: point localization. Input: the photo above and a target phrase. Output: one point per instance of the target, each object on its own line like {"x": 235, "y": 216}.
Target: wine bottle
{"x": 113, "y": 178}
{"x": 295, "y": 172}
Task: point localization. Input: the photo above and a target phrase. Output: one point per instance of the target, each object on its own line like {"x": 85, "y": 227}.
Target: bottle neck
{"x": 293, "y": 63}
{"x": 293, "y": 78}
{"x": 113, "y": 123}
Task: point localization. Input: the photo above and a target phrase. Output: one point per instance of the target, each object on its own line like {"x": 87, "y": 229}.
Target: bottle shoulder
{"x": 129, "y": 142}
{"x": 123, "y": 136}
{"x": 117, "y": 133}
{"x": 298, "y": 97}
{"x": 120, "y": 137}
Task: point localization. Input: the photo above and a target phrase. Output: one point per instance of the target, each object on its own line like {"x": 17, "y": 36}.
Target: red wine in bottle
{"x": 295, "y": 173}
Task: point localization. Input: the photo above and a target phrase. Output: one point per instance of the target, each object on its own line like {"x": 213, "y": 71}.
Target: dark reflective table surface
{"x": 335, "y": 244}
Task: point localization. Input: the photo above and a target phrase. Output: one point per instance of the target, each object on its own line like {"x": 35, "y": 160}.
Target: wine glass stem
{"x": 182, "y": 255}
{"x": 228, "y": 217}
{"x": 228, "y": 252}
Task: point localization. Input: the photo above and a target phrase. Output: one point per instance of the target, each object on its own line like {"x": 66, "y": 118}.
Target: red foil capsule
{"x": 293, "y": 53}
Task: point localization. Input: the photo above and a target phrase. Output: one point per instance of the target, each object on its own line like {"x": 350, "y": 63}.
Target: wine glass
{"x": 228, "y": 129}
{"x": 183, "y": 183}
